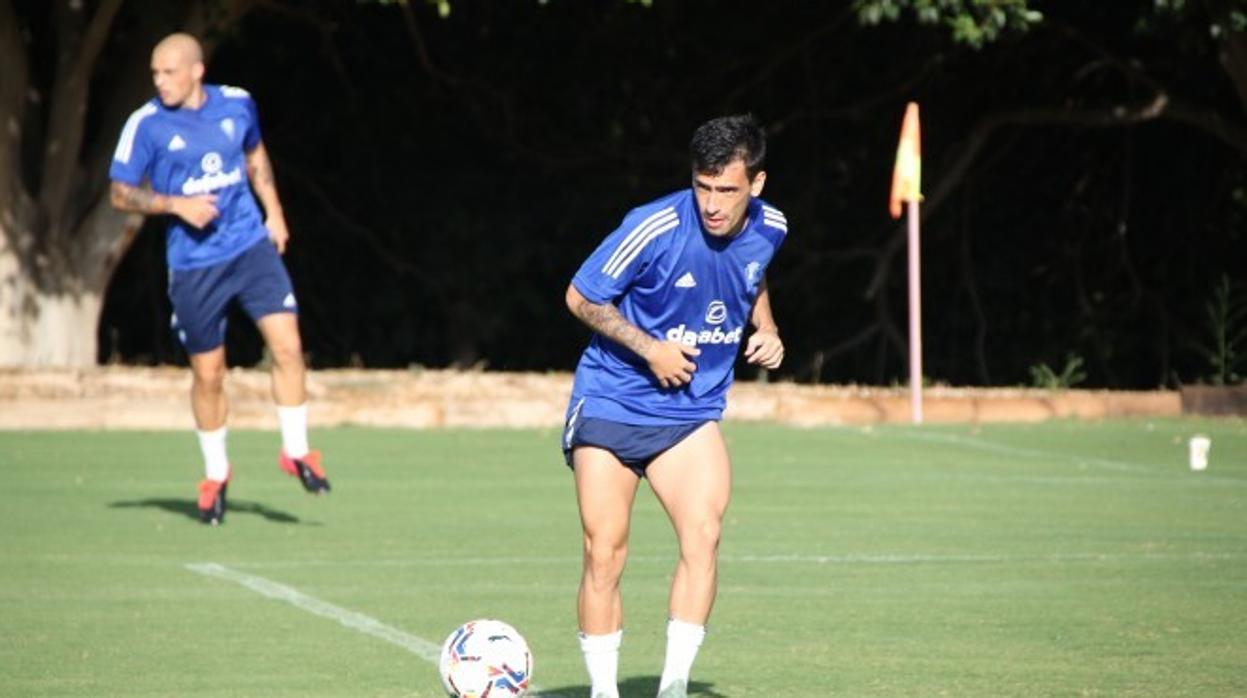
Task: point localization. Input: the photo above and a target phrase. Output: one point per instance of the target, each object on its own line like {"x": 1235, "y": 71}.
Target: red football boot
{"x": 212, "y": 501}
{"x": 307, "y": 469}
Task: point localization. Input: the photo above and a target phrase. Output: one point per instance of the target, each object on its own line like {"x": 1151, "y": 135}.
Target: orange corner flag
{"x": 907, "y": 174}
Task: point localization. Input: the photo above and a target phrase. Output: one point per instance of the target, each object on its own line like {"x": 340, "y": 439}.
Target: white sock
{"x": 293, "y": 430}
{"x": 602, "y": 660}
{"x": 683, "y": 641}
{"x": 216, "y": 463}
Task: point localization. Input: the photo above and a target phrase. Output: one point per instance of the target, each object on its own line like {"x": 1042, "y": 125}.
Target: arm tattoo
{"x": 606, "y": 320}
{"x": 138, "y": 199}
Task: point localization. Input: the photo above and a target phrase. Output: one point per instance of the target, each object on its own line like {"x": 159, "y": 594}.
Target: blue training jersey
{"x": 676, "y": 282}
{"x": 187, "y": 152}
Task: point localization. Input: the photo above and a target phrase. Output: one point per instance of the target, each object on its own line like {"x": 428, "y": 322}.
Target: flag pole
{"x": 907, "y": 187}
{"x": 915, "y": 317}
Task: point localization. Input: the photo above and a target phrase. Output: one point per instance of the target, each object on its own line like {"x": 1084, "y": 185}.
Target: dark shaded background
{"x": 444, "y": 179}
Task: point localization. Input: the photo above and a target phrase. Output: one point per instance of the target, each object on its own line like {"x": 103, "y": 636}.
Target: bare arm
{"x": 606, "y": 320}
{"x": 761, "y": 317}
{"x": 764, "y": 348}
{"x": 133, "y": 199}
{"x": 196, "y": 210}
{"x": 668, "y": 361}
{"x": 260, "y": 172}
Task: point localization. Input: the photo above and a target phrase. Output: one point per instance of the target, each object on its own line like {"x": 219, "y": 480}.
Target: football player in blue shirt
{"x": 669, "y": 295}
{"x": 193, "y": 143}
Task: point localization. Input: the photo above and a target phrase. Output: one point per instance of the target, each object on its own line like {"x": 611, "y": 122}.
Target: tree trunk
{"x": 50, "y": 298}
{"x": 53, "y": 269}
{"x": 42, "y": 326}
{"x": 39, "y": 329}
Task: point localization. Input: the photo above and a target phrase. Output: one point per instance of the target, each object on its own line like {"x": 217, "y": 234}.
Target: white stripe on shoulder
{"x": 775, "y": 218}
{"x": 638, "y": 237}
{"x": 778, "y": 225}
{"x": 230, "y": 91}
{"x": 125, "y": 146}
{"x": 772, "y": 212}
{"x": 655, "y": 232}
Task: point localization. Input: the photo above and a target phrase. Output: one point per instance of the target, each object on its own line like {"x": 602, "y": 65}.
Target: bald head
{"x": 182, "y": 47}
{"x": 178, "y": 70}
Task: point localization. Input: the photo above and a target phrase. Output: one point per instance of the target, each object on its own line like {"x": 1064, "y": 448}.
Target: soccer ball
{"x": 483, "y": 658}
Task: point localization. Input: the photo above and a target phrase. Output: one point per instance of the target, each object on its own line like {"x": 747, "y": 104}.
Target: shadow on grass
{"x": 190, "y": 508}
{"x": 635, "y": 687}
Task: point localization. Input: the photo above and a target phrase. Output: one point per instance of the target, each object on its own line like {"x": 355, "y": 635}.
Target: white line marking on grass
{"x": 1121, "y": 466}
{"x": 747, "y": 559}
{"x": 367, "y": 625}
{"x": 909, "y": 559}
{"x": 433, "y": 562}
{"x": 1106, "y": 463}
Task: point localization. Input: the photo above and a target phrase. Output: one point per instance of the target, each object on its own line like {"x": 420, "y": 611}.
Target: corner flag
{"x": 907, "y": 173}
{"x": 907, "y": 187}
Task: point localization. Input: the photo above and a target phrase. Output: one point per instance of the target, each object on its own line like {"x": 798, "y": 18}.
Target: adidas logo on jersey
{"x": 176, "y": 143}
{"x": 289, "y": 302}
{"x": 686, "y": 281}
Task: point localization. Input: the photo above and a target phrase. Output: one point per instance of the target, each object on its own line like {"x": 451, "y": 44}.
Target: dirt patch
{"x": 157, "y": 398}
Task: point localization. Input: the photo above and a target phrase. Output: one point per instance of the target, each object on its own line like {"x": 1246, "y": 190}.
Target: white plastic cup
{"x": 1200, "y": 445}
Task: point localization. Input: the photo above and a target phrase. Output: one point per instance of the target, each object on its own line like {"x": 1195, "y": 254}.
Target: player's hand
{"x": 765, "y": 349}
{"x": 277, "y": 232}
{"x": 199, "y": 211}
{"x": 669, "y": 362}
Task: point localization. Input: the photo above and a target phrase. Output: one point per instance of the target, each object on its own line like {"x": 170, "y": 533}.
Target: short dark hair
{"x": 718, "y": 142}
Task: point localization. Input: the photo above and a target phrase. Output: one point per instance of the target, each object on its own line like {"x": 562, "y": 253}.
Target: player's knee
{"x": 604, "y": 559}
{"x": 209, "y": 377}
{"x": 701, "y": 540}
{"x": 288, "y": 355}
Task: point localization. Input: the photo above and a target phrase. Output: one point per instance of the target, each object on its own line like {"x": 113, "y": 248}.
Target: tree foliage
{"x": 444, "y": 174}
{"x": 1224, "y": 341}
{"x": 974, "y": 22}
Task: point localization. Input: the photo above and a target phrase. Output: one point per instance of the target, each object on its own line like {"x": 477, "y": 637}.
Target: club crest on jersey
{"x": 227, "y": 125}
{"x": 751, "y": 271}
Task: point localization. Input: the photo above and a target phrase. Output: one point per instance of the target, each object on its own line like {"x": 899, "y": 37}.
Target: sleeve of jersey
{"x": 777, "y": 241}
{"x": 252, "y": 137}
{"x": 623, "y": 255}
{"x": 134, "y": 151}
{"x": 774, "y": 226}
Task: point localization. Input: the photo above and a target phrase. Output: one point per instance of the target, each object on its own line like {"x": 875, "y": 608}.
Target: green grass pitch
{"x": 1062, "y": 559}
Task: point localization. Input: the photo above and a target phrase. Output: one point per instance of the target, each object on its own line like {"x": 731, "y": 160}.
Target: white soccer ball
{"x": 483, "y": 658}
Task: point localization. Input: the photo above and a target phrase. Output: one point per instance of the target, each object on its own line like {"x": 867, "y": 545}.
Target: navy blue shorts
{"x": 256, "y": 279}
{"x": 636, "y": 446}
